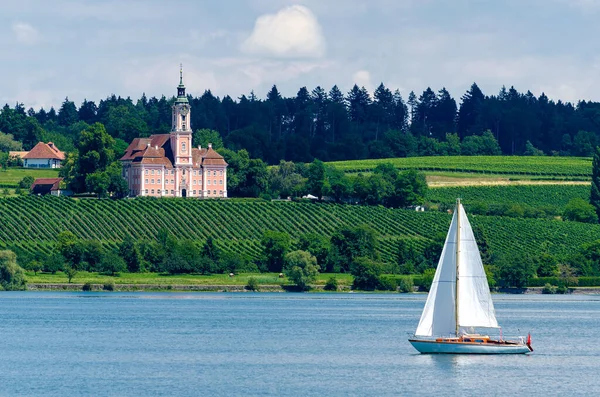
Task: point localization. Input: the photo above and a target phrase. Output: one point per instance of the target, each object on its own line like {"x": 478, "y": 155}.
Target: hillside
{"x": 551, "y": 195}
{"x": 532, "y": 166}
{"x": 32, "y": 223}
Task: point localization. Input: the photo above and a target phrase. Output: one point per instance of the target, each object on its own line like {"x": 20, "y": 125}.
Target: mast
{"x": 457, "y": 263}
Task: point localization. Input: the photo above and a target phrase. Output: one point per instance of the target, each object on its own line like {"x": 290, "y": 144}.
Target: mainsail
{"x": 474, "y": 307}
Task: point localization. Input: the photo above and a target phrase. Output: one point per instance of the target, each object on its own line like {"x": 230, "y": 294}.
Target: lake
{"x": 224, "y": 344}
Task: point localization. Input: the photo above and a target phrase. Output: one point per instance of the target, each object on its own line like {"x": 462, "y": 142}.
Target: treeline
{"x": 352, "y": 250}
{"x": 329, "y": 125}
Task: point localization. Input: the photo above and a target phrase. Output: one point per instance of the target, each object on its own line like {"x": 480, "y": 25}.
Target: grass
{"x": 162, "y": 279}
{"x": 12, "y": 176}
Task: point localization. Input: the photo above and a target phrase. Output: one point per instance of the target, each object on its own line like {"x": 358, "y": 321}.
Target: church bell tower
{"x": 181, "y": 131}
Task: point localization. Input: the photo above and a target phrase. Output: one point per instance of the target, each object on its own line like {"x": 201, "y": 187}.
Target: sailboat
{"x": 459, "y": 301}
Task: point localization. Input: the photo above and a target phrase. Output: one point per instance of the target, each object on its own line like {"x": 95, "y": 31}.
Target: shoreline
{"x": 73, "y": 287}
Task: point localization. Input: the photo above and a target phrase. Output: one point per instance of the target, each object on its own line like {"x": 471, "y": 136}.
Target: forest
{"x": 331, "y": 125}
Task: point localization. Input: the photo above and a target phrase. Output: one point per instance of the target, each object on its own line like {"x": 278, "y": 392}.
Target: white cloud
{"x": 292, "y": 32}
{"x": 362, "y": 78}
{"x": 25, "y": 33}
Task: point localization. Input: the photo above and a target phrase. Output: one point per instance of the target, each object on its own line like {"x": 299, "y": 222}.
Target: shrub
{"x": 562, "y": 289}
{"x": 406, "y": 284}
{"x": 86, "y": 287}
{"x": 12, "y": 277}
{"x": 331, "y": 284}
{"x": 301, "y": 267}
{"x": 427, "y": 279}
{"x": 252, "y": 284}
{"x": 579, "y": 210}
{"x": 366, "y": 273}
{"x": 549, "y": 289}
{"x": 387, "y": 283}
{"x": 108, "y": 287}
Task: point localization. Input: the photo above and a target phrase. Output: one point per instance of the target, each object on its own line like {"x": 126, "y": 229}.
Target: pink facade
{"x": 166, "y": 165}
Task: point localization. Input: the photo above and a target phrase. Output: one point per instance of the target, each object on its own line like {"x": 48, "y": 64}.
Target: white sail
{"x": 438, "y": 316}
{"x": 475, "y": 306}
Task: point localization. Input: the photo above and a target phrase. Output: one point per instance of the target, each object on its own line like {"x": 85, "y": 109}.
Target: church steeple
{"x": 181, "y": 97}
{"x": 181, "y": 131}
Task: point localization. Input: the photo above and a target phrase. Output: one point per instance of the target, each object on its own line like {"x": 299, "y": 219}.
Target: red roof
{"x": 45, "y": 151}
{"x": 45, "y": 185}
{"x": 213, "y": 158}
{"x": 157, "y": 150}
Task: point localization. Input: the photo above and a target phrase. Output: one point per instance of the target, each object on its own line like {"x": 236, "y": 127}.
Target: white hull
{"x": 434, "y": 347}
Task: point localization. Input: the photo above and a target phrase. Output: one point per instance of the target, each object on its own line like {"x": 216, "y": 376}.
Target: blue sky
{"x": 93, "y": 48}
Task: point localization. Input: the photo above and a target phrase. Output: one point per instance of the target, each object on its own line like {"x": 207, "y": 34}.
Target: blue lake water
{"x": 171, "y": 344}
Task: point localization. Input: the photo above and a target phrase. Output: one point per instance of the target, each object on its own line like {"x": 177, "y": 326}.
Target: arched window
{"x": 183, "y": 143}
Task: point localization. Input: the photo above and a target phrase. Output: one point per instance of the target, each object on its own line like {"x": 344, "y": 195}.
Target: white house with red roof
{"x": 166, "y": 165}
{"x": 43, "y": 155}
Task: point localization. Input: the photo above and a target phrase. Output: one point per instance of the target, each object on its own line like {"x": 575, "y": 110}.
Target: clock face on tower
{"x": 185, "y": 111}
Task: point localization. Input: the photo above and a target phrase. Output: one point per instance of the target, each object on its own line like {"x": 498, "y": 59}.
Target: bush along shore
{"x": 273, "y": 282}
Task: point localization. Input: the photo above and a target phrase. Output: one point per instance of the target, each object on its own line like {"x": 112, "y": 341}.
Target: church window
{"x": 146, "y": 180}
{"x": 183, "y": 146}
{"x": 172, "y": 172}
{"x": 215, "y": 182}
{"x": 194, "y": 192}
{"x": 183, "y": 117}
{"x": 152, "y": 172}
{"x": 208, "y": 181}
{"x": 146, "y": 172}
{"x": 183, "y": 126}
{"x": 220, "y": 182}
{"x": 158, "y": 181}
{"x": 172, "y": 181}
{"x": 172, "y": 192}
{"x": 214, "y": 192}
{"x": 194, "y": 181}
{"x": 214, "y": 173}
{"x": 152, "y": 191}
{"x": 146, "y": 191}
{"x": 221, "y": 173}
{"x": 194, "y": 172}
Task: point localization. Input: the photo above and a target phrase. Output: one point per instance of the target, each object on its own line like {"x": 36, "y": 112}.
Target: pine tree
{"x": 470, "y": 112}
{"x": 67, "y": 114}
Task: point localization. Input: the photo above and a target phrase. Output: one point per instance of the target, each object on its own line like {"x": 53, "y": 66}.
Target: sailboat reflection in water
{"x": 459, "y": 301}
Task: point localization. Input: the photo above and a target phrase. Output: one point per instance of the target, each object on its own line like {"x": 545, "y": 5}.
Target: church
{"x": 166, "y": 165}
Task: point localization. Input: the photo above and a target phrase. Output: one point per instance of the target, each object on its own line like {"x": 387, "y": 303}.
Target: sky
{"x": 91, "y": 49}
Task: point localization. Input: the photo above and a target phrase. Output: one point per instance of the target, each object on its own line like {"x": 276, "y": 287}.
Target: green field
{"x": 556, "y": 196}
{"x": 11, "y": 176}
{"x": 513, "y": 165}
{"x": 160, "y": 279}
{"x": 32, "y": 223}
